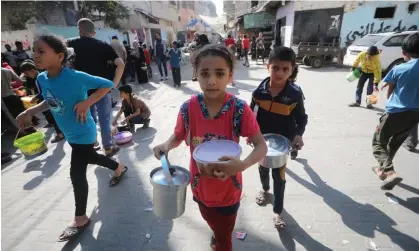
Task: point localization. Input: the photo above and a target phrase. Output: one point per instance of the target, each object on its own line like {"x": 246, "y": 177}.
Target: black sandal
{"x": 57, "y": 138}
{"x": 115, "y": 180}
{"x": 72, "y": 232}
{"x": 213, "y": 242}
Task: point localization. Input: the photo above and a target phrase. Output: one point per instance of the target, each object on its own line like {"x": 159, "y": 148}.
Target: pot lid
{"x": 212, "y": 151}
{"x": 277, "y": 144}
{"x": 180, "y": 176}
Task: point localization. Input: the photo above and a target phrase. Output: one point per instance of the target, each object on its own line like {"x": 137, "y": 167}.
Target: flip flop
{"x": 261, "y": 198}
{"x": 390, "y": 182}
{"x": 383, "y": 175}
{"x": 115, "y": 180}
{"x": 57, "y": 138}
{"x": 72, "y": 232}
{"x": 279, "y": 222}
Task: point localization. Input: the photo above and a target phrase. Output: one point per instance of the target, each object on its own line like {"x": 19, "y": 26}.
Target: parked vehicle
{"x": 316, "y": 54}
{"x": 389, "y": 44}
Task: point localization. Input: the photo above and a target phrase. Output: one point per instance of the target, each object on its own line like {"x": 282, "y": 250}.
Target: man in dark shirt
{"x": 99, "y": 59}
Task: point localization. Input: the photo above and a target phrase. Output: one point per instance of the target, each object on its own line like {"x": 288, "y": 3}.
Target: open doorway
{"x": 280, "y": 31}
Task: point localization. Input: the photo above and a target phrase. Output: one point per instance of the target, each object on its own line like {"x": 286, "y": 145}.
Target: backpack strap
{"x": 238, "y": 117}
{"x": 184, "y": 111}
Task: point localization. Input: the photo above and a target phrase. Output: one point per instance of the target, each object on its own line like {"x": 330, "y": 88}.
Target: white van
{"x": 389, "y": 44}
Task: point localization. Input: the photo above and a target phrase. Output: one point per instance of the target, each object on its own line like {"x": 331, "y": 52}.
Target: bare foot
{"x": 119, "y": 170}
{"x": 79, "y": 221}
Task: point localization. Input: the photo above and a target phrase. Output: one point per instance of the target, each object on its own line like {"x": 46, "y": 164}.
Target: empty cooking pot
{"x": 123, "y": 127}
{"x": 278, "y": 149}
{"x": 169, "y": 189}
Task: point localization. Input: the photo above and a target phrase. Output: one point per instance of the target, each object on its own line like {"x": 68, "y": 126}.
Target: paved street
{"x": 332, "y": 202}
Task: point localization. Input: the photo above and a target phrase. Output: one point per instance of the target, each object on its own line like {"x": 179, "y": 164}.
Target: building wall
{"x": 360, "y": 21}
{"x": 165, "y": 11}
{"x": 161, "y": 9}
{"x": 287, "y": 11}
{"x": 10, "y": 37}
{"x": 315, "y": 5}
{"x": 65, "y": 32}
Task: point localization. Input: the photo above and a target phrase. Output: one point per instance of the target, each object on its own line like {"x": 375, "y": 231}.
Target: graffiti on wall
{"x": 25, "y": 36}
{"x": 372, "y": 28}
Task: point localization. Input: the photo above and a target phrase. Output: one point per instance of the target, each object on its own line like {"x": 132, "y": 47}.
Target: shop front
{"x": 260, "y": 22}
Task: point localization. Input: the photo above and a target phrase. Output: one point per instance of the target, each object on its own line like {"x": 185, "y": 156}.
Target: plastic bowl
{"x": 122, "y": 137}
{"x": 212, "y": 151}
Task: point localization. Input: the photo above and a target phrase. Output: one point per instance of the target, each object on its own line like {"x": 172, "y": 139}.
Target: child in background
{"x": 217, "y": 187}
{"x": 370, "y": 70}
{"x": 232, "y": 48}
{"x": 402, "y": 112}
{"x": 30, "y": 72}
{"x": 148, "y": 60}
{"x": 133, "y": 108}
{"x": 279, "y": 104}
{"x": 246, "y": 47}
{"x": 175, "y": 57}
{"x": 65, "y": 94}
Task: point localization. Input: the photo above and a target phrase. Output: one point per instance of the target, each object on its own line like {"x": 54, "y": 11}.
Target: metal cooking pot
{"x": 278, "y": 149}
{"x": 123, "y": 127}
{"x": 169, "y": 189}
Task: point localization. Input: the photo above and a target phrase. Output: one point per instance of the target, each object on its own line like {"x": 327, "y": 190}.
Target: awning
{"x": 215, "y": 23}
{"x": 259, "y": 20}
{"x": 238, "y": 20}
{"x": 195, "y": 21}
{"x": 151, "y": 18}
{"x": 270, "y": 4}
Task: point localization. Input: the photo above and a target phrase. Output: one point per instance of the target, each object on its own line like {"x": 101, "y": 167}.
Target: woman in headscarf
{"x": 202, "y": 41}
{"x": 192, "y": 48}
{"x": 140, "y": 64}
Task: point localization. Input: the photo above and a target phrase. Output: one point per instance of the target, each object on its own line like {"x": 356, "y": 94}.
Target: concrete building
{"x": 348, "y": 20}
{"x": 150, "y": 17}
{"x": 205, "y": 8}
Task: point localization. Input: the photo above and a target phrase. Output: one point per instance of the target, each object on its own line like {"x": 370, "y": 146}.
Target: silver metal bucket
{"x": 169, "y": 190}
{"x": 279, "y": 148}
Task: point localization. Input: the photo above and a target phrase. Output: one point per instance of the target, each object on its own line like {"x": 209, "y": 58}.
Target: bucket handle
{"x": 17, "y": 134}
{"x": 166, "y": 168}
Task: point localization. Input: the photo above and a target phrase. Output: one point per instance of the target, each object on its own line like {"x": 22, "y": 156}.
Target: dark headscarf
{"x": 202, "y": 40}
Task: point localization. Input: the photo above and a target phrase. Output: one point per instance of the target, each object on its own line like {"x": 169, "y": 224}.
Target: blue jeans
{"x": 161, "y": 62}
{"x": 103, "y": 110}
{"x": 370, "y": 88}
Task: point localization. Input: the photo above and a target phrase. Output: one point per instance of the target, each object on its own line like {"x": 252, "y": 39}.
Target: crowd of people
{"x": 76, "y": 96}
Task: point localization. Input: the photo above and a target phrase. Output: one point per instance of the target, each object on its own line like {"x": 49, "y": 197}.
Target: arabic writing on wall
{"x": 373, "y": 27}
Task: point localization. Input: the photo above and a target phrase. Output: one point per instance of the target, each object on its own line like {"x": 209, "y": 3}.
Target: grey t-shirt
{"x": 7, "y": 77}
{"x": 260, "y": 43}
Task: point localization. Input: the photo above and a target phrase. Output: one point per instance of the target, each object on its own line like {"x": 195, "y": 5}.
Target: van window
{"x": 395, "y": 41}
{"x": 368, "y": 40}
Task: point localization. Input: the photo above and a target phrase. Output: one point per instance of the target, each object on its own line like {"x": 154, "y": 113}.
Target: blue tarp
{"x": 194, "y": 21}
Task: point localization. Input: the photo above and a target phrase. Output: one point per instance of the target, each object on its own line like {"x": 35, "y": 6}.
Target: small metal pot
{"x": 123, "y": 127}
{"x": 169, "y": 190}
{"x": 279, "y": 148}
